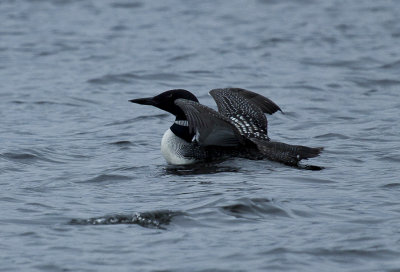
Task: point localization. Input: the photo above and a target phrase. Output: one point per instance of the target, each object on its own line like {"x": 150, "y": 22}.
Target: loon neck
{"x": 181, "y": 129}
{"x": 183, "y": 123}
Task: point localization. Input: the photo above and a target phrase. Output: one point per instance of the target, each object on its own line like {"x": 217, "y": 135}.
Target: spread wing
{"x": 210, "y": 126}
{"x": 246, "y": 110}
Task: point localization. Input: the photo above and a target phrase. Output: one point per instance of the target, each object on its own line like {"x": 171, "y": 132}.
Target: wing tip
{"x": 311, "y": 152}
{"x": 286, "y": 153}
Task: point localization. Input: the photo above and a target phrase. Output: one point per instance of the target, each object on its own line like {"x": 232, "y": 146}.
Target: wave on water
{"x": 29, "y": 156}
{"x": 393, "y": 185}
{"x": 122, "y": 143}
{"x": 154, "y": 219}
{"x": 255, "y": 208}
{"x": 107, "y": 178}
{"x": 332, "y": 136}
{"x": 199, "y": 169}
{"x": 131, "y": 77}
{"x": 127, "y": 5}
{"x": 139, "y": 118}
{"x": 380, "y": 82}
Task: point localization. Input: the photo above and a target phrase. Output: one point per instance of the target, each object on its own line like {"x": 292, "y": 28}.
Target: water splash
{"x": 155, "y": 219}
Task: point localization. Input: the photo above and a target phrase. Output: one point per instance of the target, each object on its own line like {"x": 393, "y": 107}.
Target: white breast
{"x": 172, "y": 148}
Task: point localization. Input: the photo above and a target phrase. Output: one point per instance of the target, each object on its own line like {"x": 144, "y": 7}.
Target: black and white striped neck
{"x": 181, "y": 129}
{"x": 183, "y": 123}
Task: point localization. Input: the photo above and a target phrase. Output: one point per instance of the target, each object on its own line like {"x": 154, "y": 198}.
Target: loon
{"x": 237, "y": 129}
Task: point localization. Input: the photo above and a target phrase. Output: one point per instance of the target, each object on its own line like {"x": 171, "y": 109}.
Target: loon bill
{"x": 237, "y": 129}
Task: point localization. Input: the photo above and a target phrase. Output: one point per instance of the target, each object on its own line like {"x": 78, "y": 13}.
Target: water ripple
{"x": 368, "y": 82}
{"x": 332, "y": 136}
{"x": 154, "y": 219}
{"x": 199, "y": 169}
{"x": 131, "y": 77}
{"x": 183, "y": 57}
{"x": 361, "y": 63}
{"x": 353, "y": 253}
{"x": 108, "y": 177}
{"x": 71, "y": 150}
{"x": 44, "y": 102}
{"x": 139, "y": 118}
{"x": 392, "y": 65}
{"x": 313, "y": 180}
{"x": 125, "y": 5}
{"x": 394, "y": 185}
{"x": 122, "y": 143}
{"x": 256, "y": 208}
{"x": 28, "y": 157}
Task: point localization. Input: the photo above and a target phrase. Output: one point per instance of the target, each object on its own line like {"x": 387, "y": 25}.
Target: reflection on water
{"x": 199, "y": 169}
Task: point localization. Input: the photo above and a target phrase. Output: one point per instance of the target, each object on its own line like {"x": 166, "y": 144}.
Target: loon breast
{"x": 173, "y": 148}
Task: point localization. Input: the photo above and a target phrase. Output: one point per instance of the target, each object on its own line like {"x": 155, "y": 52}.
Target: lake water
{"x": 83, "y": 185}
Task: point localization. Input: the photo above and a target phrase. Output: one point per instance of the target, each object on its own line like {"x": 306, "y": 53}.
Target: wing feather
{"x": 286, "y": 153}
{"x": 246, "y": 110}
{"x": 265, "y": 104}
{"x": 210, "y": 126}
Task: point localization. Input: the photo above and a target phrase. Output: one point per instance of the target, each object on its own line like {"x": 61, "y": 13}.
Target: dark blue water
{"x": 83, "y": 185}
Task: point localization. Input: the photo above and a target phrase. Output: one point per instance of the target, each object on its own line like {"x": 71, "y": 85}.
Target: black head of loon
{"x": 165, "y": 101}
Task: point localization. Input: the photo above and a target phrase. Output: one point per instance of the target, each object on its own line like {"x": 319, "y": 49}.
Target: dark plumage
{"x": 238, "y": 128}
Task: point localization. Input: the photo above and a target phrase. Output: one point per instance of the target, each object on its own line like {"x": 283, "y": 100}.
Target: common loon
{"x": 238, "y": 128}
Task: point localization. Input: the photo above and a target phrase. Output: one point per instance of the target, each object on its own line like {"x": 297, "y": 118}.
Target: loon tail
{"x": 285, "y": 153}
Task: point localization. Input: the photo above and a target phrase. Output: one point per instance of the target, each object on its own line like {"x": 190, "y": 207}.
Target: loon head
{"x": 166, "y": 101}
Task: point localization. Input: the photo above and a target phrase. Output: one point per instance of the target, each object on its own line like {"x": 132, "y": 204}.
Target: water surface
{"x": 84, "y": 186}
